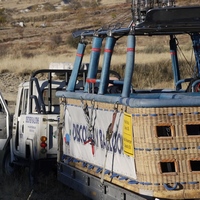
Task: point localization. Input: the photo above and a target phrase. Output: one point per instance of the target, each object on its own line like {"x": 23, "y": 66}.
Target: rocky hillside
{"x": 44, "y": 26}
{"x": 30, "y": 28}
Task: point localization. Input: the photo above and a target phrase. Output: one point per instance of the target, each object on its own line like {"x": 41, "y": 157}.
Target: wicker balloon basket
{"x": 166, "y": 151}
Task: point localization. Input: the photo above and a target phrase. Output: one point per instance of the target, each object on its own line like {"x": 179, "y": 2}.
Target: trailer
{"x": 122, "y": 142}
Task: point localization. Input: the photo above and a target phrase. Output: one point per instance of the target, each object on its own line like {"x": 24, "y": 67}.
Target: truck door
{"x": 4, "y": 123}
{"x": 19, "y": 120}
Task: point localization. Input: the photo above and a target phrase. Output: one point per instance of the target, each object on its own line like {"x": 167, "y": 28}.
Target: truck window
{"x": 1, "y": 108}
{"x": 24, "y": 101}
{"x": 54, "y": 99}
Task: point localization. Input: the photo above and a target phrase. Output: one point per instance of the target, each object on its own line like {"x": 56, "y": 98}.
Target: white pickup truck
{"x": 30, "y": 134}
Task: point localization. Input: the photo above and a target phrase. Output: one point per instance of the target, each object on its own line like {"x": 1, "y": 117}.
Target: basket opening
{"x": 195, "y": 165}
{"x": 167, "y": 167}
{"x": 163, "y": 131}
{"x": 193, "y": 129}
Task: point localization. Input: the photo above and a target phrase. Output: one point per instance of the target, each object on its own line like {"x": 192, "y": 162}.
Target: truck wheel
{"x": 8, "y": 168}
{"x": 32, "y": 173}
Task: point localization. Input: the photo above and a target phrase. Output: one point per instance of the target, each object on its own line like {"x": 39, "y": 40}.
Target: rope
{"x": 189, "y": 68}
{"x": 109, "y": 133}
{"x": 90, "y": 122}
{"x": 86, "y": 111}
{"x": 115, "y": 135}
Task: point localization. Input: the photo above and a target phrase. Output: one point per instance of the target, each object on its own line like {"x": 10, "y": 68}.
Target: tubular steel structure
{"x": 140, "y": 7}
{"x": 154, "y": 143}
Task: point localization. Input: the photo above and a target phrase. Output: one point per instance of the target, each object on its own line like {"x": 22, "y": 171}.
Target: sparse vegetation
{"x": 55, "y": 41}
{"x": 23, "y": 50}
{"x": 20, "y": 31}
{"x": 154, "y": 49}
{"x": 3, "y": 50}
{"x": 75, "y": 5}
{"x": 73, "y": 42}
{"x": 2, "y": 16}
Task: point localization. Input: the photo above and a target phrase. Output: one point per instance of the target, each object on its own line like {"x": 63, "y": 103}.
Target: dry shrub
{"x": 147, "y": 75}
{"x": 27, "y": 54}
{"x": 97, "y": 22}
{"x": 18, "y": 52}
{"x": 45, "y": 7}
{"x": 157, "y": 74}
{"x": 3, "y": 16}
{"x": 120, "y": 50}
{"x": 4, "y": 71}
{"x": 163, "y": 73}
{"x": 72, "y": 42}
{"x": 48, "y": 7}
{"x": 187, "y": 2}
{"x": 88, "y": 49}
{"x": 4, "y": 49}
{"x": 187, "y": 69}
{"x": 74, "y": 5}
{"x": 20, "y": 31}
{"x": 152, "y": 48}
{"x": 56, "y": 40}
{"x": 25, "y": 72}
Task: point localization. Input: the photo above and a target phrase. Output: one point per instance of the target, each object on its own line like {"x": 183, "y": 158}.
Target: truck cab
{"x": 34, "y": 128}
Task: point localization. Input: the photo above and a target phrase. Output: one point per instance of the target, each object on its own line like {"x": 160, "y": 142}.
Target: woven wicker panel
{"x": 153, "y": 152}
{"x": 179, "y": 149}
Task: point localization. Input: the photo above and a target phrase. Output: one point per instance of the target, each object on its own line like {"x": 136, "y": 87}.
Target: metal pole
{"x": 110, "y": 43}
{"x": 196, "y": 47}
{"x": 76, "y": 67}
{"x": 94, "y": 59}
{"x": 174, "y": 58}
{"x": 130, "y": 58}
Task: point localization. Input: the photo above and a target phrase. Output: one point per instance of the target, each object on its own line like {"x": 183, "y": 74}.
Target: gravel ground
{"x": 47, "y": 187}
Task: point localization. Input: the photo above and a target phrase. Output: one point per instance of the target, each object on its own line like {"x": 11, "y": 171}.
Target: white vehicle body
{"x": 35, "y": 117}
{"x": 29, "y": 127}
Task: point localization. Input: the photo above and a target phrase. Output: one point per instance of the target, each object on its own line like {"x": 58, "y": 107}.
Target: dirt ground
{"x": 36, "y": 36}
{"x": 47, "y": 187}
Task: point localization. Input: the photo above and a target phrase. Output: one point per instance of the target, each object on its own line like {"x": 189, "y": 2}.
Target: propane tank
{"x": 140, "y": 7}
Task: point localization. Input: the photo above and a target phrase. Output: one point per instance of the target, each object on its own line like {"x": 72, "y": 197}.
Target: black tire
{"x": 32, "y": 173}
{"x": 8, "y": 168}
